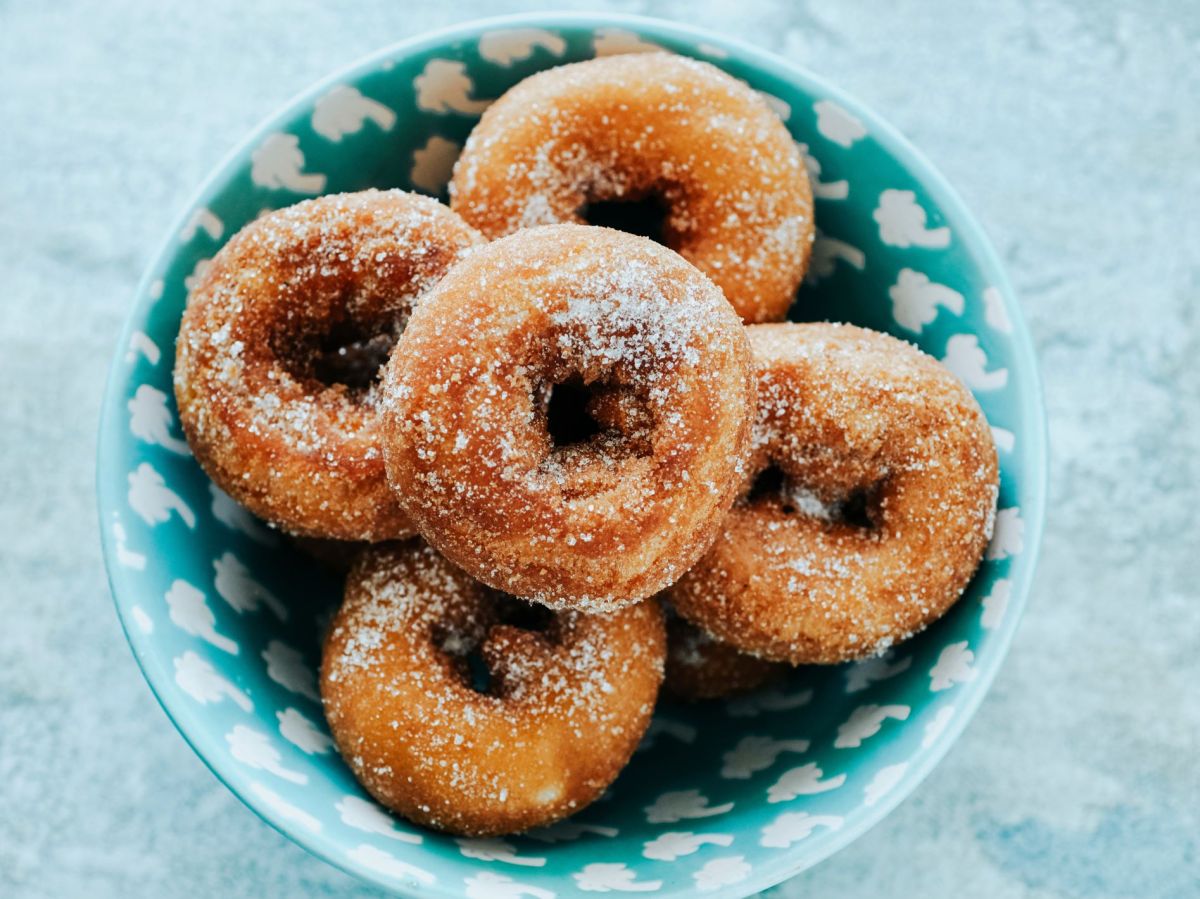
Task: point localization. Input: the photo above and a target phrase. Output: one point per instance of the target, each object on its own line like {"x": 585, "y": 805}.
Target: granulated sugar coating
{"x": 564, "y": 709}
{"x": 591, "y": 525}
{"x": 701, "y": 667}
{"x": 884, "y": 504}
{"x": 264, "y": 316}
{"x": 737, "y": 197}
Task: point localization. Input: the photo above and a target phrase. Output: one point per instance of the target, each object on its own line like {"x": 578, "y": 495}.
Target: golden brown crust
{"x": 295, "y": 451}
{"x": 594, "y": 525}
{"x": 701, "y": 667}
{"x": 564, "y": 710}
{"x": 843, "y": 411}
{"x": 739, "y": 203}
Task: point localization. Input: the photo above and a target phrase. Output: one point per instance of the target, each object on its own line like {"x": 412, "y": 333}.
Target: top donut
{"x": 691, "y": 143}
{"x": 660, "y": 372}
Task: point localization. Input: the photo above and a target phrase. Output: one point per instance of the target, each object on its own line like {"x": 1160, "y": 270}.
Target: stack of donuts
{"x": 568, "y": 460}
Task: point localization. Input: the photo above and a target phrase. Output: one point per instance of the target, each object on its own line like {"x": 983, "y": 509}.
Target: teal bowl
{"x": 728, "y": 798}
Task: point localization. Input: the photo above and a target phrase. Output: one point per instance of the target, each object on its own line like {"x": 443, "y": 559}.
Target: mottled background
{"x": 1072, "y": 128}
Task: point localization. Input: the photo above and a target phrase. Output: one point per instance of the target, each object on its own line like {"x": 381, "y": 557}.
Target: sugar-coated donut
{"x": 258, "y": 360}
{"x": 734, "y": 191}
{"x": 593, "y": 524}
{"x": 701, "y": 667}
{"x": 874, "y": 494}
{"x": 567, "y": 699}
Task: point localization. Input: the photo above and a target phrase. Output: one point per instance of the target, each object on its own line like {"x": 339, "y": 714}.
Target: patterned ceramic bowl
{"x": 224, "y": 615}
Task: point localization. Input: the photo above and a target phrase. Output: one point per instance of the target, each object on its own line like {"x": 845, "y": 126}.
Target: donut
{"x": 482, "y": 426}
{"x": 475, "y": 713}
{"x": 868, "y": 503}
{"x": 699, "y": 667}
{"x": 675, "y": 138}
{"x": 280, "y": 342}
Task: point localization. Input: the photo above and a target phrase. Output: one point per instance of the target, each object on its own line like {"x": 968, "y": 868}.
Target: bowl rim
{"x": 971, "y": 232}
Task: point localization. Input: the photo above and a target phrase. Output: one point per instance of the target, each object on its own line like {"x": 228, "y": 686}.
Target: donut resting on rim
{"x": 567, "y": 699}
{"x": 700, "y": 149}
{"x": 867, "y": 508}
{"x": 294, "y": 306}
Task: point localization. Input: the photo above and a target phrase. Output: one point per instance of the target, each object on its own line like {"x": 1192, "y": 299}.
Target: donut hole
{"x": 584, "y": 420}
{"x": 773, "y": 486}
{"x": 567, "y": 418}
{"x": 858, "y": 509}
{"x": 351, "y": 357}
{"x": 645, "y": 216}
{"x": 466, "y": 657}
{"x": 465, "y": 647}
{"x": 479, "y": 677}
{"x": 769, "y": 485}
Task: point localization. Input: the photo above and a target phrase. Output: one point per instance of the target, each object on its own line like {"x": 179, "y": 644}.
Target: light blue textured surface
{"x": 1072, "y": 135}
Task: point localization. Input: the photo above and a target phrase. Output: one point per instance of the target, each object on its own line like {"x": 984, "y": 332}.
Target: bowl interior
{"x": 224, "y": 615}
